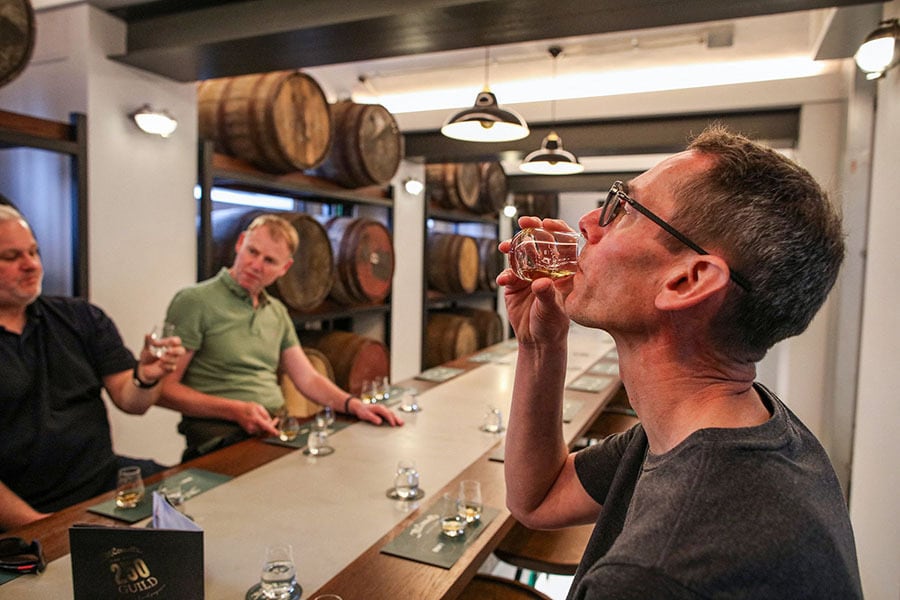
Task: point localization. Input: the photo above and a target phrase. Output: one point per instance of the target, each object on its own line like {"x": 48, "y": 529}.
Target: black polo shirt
{"x": 55, "y": 446}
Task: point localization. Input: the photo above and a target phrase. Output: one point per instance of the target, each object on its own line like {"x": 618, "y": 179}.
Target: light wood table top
{"x": 334, "y": 509}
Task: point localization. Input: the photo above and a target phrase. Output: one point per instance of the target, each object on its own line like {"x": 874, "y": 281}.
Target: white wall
{"x": 875, "y": 485}
{"x": 142, "y": 236}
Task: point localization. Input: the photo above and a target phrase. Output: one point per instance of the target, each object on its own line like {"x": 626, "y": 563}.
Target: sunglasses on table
{"x": 19, "y": 556}
{"x": 616, "y": 197}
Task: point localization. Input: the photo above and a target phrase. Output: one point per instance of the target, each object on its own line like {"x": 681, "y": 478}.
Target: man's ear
{"x": 693, "y": 281}
{"x": 239, "y": 242}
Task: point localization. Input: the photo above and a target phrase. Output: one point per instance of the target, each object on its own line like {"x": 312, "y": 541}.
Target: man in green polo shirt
{"x": 236, "y": 336}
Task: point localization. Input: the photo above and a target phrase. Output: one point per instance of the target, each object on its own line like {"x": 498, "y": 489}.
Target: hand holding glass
{"x": 157, "y": 335}
{"x": 536, "y": 253}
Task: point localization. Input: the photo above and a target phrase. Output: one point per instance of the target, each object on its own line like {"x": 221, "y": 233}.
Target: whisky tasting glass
{"x": 278, "y": 578}
{"x": 130, "y": 487}
{"x": 157, "y": 335}
{"x": 536, "y": 253}
{"x": 468, "y": 501}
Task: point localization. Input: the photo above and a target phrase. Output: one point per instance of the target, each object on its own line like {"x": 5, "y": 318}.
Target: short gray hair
{"x": 8, "y": 213}
{"x": 774, "y": 224}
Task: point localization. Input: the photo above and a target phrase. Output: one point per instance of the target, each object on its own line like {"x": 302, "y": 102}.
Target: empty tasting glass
{"x": 159, "y": 333}
{"x": 536, "y": 253}
{"x": 493, "y": 420}
{"x": 278, "y": 578}
{"x": 406, "y": 480}
{"x": 130, "y": 487}
{"x": 409, "y": 402}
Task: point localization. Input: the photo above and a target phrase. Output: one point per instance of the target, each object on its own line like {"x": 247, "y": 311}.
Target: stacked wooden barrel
{"x": 281, "y": 122}
{"x": 472, "y": 187}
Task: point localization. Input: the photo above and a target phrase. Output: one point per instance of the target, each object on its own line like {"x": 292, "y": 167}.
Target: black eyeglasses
{"x": 19, "y": 556}
{"x": 610, "y": 210}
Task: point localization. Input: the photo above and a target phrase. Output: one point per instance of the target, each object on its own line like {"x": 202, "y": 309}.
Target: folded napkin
{"x": 166, "y": 516}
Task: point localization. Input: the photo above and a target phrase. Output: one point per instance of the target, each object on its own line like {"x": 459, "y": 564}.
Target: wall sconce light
{"x": 153, "y": 121}
{"x": 485, "y": 121}
{"x": 881, "y": 50}
{"x": 413, "y": 186}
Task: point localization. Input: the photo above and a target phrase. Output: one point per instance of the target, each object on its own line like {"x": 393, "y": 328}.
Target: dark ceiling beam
{"x": 650, "y": 135}
{"x": 583, "y": 182}
{"x": 269, "y": 35}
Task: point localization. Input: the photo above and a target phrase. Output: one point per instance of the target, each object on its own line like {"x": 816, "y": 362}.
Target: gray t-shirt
{"x": 753, "y": 512}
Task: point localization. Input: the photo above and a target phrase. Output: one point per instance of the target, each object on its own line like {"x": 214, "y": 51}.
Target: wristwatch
{"x": 137, "y": 379}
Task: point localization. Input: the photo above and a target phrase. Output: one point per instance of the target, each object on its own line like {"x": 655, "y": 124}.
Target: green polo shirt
{"x": 236, "y": 347}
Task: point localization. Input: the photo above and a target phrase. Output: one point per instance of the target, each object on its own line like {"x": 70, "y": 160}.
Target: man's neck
{"x": 675, "y": 396}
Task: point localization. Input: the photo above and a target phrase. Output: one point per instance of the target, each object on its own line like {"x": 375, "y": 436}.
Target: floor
{"x": 555, "y": 586}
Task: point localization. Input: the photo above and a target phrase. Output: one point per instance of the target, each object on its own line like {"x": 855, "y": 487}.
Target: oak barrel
{"x": 298, "y": 404}
{"x": 309, "y": 280}
{"x": 367, "y": 146}
{"x": 448, "y": 337}
{"x": 453, "y": 185}
{"x": 487, "y": 323}
{"x": 354, "y": 358}
{"x": 452, "y": 263}
{"x": 494, "y": 187}
{"x": 277, "y": 121}
{"x": 363, "y": 260}
{"x": 17, "y": 35}
{"x": 490, "y": 263}
{"x": 539, "y": 204}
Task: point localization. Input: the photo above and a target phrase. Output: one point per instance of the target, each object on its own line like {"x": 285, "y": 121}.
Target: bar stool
{"x": 555, "y": 552}
{"x": 491, "y": 587}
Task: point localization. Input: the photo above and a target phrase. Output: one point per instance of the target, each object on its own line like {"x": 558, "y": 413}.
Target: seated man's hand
{"x": 375, "y": 413}
{"x": 255, "y": 419}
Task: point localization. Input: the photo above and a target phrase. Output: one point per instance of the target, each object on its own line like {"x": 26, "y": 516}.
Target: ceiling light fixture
{"x": 153, "y": 121}
{"x": 551, "y": 159}
{"x": 486, "y": 121}
{"x": 881, "y": 50}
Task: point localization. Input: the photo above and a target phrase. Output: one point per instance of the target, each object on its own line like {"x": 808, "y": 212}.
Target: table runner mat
{"x": 422, "y": 541}
{"x": 193, "y": 483}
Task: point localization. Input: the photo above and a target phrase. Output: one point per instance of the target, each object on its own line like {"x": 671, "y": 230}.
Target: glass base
{"x": 392, "y": 494}
{"x": 256, "y": 593}
{"x": 323, "y": 451}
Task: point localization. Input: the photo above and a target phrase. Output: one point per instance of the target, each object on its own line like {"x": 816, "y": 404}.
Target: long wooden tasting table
{"x": 334, "y": 509}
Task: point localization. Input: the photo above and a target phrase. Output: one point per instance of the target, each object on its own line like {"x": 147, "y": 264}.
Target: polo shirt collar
{"x": 233, "y": 286}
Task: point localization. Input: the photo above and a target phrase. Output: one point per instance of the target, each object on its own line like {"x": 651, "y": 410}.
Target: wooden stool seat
{"x": 555, "y": 552}
{"x": 491, "y": 587}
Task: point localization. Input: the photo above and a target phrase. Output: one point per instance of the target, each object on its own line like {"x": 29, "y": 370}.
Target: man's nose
{"x": 589, "y": 224}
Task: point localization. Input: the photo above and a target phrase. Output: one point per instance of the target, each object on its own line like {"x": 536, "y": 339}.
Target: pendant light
{"x": 881, "y": 50}
{"x": 551, "y": 159}
{"x": 486, "y": 121}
